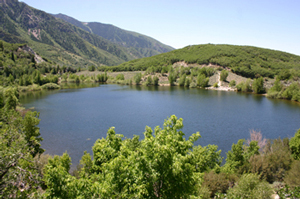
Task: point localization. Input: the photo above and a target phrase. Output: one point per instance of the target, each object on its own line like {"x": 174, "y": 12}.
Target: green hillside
{"x": 243, "y": 60}
{"x": 60, "y": 41}
{"x": 137, "y": 44}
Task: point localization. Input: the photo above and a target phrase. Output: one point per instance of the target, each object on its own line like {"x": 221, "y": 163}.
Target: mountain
{"x": 139, "y": 45}
{"x": 246, "y": 61}
{"x": 56, "y": 39}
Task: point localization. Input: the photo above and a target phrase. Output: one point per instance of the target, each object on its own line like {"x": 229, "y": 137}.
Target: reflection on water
{"x": 73, "y": 119}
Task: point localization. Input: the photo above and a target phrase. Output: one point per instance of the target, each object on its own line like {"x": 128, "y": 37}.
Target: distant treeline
{"x": 246, "y": 61}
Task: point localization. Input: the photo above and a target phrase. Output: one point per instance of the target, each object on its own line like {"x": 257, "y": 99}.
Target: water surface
{"x": 73, "y": 119}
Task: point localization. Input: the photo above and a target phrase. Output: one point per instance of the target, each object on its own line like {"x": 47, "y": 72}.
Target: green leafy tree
{"x": 223, "y": 75}
{"x": 295, "y": 145}
{"x": 18, "y": 177}
{"x": 273, "y": 92}
{"x": 149, "y": 80}
{"x": 182, "y": 80}
{"x": 155, "y": 81}
{"x": 172, "y": 78}
{"x": 11, "y": 98}
{"x": 161, "y": 165}
{"x": 137, "y": 78}
{"x": 258, "y": 85}
{"x": 187, "y": 82}
{"x": 202, "y": 80}
{"x": 32, "y": 132}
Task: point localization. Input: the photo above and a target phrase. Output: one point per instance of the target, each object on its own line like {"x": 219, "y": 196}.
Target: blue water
{"x": 73, "y": 119}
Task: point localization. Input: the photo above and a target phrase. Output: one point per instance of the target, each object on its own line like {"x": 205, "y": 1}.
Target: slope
{"x": 247, "y": 61}
{"x": 56, "y": 39}
{"x": 137, "y": 44}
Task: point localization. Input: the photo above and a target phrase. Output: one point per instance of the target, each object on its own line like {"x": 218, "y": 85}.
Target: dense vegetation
{"x": 246, "y": 61}
{"x": 137, "y": 44}
{"x": 58, "y": 40}
{"x": 163, "y": 164}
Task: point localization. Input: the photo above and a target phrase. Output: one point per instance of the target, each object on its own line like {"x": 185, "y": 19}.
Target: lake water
{"x": 73, "y": 119}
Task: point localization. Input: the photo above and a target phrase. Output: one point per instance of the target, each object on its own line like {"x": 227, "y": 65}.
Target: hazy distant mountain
{"x": 56, "y": 39}
{"x": 138, "y": 44}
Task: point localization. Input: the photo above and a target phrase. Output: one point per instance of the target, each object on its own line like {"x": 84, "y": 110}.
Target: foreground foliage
{"x": 20, "y": 143}
{"x": 163, "y": 164}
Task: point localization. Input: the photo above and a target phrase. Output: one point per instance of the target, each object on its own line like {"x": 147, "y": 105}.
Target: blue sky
{"x": 273, "y": 24}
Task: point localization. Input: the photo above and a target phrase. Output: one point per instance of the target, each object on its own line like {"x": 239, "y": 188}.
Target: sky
{"x": 272, "y": 24}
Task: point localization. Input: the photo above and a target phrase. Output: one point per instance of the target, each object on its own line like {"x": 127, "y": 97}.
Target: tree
{"x": 161, "y": 165}
{"x": 32, "y": 132}
{"x": 223, "y": 75}
{"x": 182, "y": 80}
{"x": 137, "y": 78}
{"x": 202, "y": 80}
{"x": 18, "y": 177}
{"x": 295, "y": 145}
{"x": 155, "y": 80}
{"x": 258, "y": 85}
{"x": 149, "y": 80}
{"x": 11, "y": 98}
{"x": 172, "y": 78}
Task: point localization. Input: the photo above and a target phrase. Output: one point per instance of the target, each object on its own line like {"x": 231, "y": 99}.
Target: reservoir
{"x": 73, "y": 119}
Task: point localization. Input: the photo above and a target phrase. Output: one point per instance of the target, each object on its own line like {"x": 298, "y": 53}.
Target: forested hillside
{"x": 56, "y": 39}
{"x": 137, "y": 44}
{"x": 246, "y": 61}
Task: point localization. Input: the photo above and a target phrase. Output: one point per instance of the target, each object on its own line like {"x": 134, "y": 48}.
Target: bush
{"x": 120, "y": 77}
{"x": 244, "y": 86}
{"x": 216, "y": 183}
{"x": 223, "y": 75}
{"x": 249, "y": 186}
{"x": 292, "y": 177}
{"x": 155, "y": 80}
{"x": 149, "y": 80}
{"x": 182, "y": 80}
{"x": 202, "y": 80}
{"x": 258, "y": 85}
{"x": 137, "y": 78}
{"x": 216, "y": 85}
{"x": 273, "y": 92}
{"x": 187, "y": 82}
{"x": 295, "y": 145}
{"x": 50, "y": 86}
{"x": 273, "y": 163}
{"x": 232, "y": 83}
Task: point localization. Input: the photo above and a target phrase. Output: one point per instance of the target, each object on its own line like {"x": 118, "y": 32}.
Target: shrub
{"x": 216, "y": 85}
{"x": 155, "y": 80}
{"x": 120, "y": 77}
{"x": 187, "y": 82}
{"x": 249, "y": 186}
{"x": 232, "y": 83}
{"x": 50, "y": 86}
{"x": 244, "y": 86}
{"x": 258, "y": 85}
{"x": 273, "y": 92}
{"x": 149, "y": 80}
{"x": 295, "y": 145}
{"x": 292, "y": 177}
{"x": 137, "y": 78}
{"x": 202, "y": 80}
{"x": 223, "y": 75}
{"x": 215, "y": 182}
{"x": 182, "y": 80}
